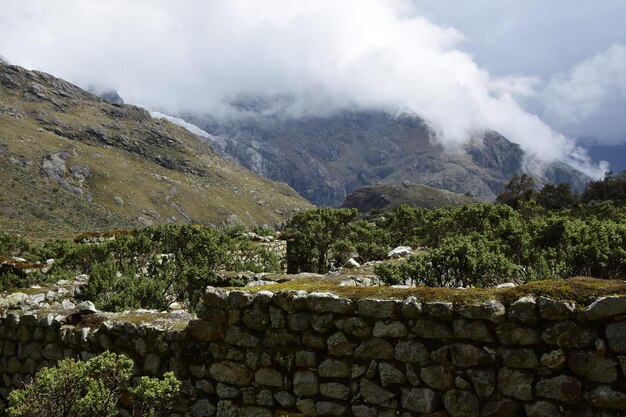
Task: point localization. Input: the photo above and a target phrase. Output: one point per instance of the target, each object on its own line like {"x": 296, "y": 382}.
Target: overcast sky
{"x": 545, "y": 73}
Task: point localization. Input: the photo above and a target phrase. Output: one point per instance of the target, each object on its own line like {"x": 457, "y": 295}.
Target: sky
{"x": 549, "y": 75}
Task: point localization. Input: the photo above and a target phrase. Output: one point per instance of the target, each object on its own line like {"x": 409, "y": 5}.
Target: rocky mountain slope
{"x": 71, "y": 161}
{"x": 391, "y": 196}
{"x": 326, "y": 158}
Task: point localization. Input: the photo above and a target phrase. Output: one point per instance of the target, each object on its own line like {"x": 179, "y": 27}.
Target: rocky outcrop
{"x": 250, "y": 354}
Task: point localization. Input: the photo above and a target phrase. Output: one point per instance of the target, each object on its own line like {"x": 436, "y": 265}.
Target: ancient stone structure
{"x": 250, "y": 355}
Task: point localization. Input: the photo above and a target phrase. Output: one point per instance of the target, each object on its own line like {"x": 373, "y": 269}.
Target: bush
{"x": 91, "y": 388}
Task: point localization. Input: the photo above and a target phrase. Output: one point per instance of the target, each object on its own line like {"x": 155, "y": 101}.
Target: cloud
{"x": 591, "y": 93}
{"x": 303, "y": 57}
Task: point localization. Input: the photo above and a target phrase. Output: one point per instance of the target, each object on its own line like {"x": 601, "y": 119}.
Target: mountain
{"x": 385, "y": 197}
{"x": 326, "y": 158}
{"x": 71, "y": 161}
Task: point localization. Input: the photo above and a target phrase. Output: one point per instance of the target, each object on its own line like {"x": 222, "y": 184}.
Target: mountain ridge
{"x": 71, "y": 161}
{"x": 325, "y": 158}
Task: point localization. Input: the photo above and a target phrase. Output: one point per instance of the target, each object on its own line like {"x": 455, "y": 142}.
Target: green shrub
{"x": 91, "y": 388}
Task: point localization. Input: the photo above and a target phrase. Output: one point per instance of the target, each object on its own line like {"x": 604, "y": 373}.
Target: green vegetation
{"x": 550, "y": 234}
{"x": 92, "y": 388}
{"x": 144, "y": 268}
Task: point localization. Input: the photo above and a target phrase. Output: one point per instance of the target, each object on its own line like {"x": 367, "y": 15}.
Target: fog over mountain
{"x": 310, "y": 58}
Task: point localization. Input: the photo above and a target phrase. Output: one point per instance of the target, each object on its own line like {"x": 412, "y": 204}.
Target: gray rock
{"x": 321, "y": 302}
{"x": 364, "y": 411}
{"x": 393, "y": 329}
{"x": 339, "y": 345}
{"x": 351, "y": 263}
{"x": 374, "y": 349}
{"x": 467, "y": 356}
{"x": 335, "y": 390}
{"x": 299, "y": 321}
{"x": 524, "y": 310}
{"x": 472, "y": 330}
{"x": 291, "y": 300}
{"x": 257, "y": 317}
{"x": 430, "y": 329}
{"x": 268, "y": 377}
{"x": 483, "y": 380}
{"x": 420, "y": 400}
{"x": 327, "y": 408}
{"x": 561, "y": 388}
{"x": 409, "y": 351}
{"x": 151, "y": 364}
{"x": 554, "y": 359}
{"x": 240, "y": 337}
{"x": 306, "y": 359}
{"x": 265, "y": 397}
{"x": 354, "y": 326}
{"x": 277, "y": 317}
{"x": 400, "y": 252}
{"x": 519, "y": 358}
{"x": 202, "y": 408}
{"x": 603, "y": 396}
{"x": 542, "y": 409}
{"x": 511, "y": 334}
{"x": 437, "y": 376}
{"x": 461, "y": 383}
{"x": 226, "y": 392}
{"x": 305, "y": 384}
{"x": 605, "y": 307}
{"x": 230, "y": 373}
{"x": 380, "y": 309}
{"x": 551, "y": 309}
{"x": 514, "y": 383}
{"x": 616, "y": 336}
{"x": 332, "y": 368}
{"x": 255, "y": 412}
{"x": 207, "y": 331}
{"x": 372, "y": 393}
{"x": 322, "y": 323}
{"x": 227, "y": 408}
{"x": 86, "y": 307}
{"x": 306, "y": 407}
{"x": 460, "y": 403}
{"x": 239, "y": 299}
{"x": 411, "y": 308}
{"x": 443, "y": 310}
{"x": 501, "y": 408}
{"x": 285, "y": 399}
{"x": 390, "y": 374}
{"x": 492, "y": 310}
{"x": 593, "y": 367}
{"x": 570, "y": 335}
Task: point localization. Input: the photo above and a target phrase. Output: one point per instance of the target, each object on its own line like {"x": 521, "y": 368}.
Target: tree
{"x": 520, "y": 188}
{"x": 556, "y": 197}
{"x": 311, "y": 235}
{"x": 91, "y": 388}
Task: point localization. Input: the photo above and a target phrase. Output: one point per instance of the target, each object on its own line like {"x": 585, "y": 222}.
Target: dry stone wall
{"x": 317, "y": 354}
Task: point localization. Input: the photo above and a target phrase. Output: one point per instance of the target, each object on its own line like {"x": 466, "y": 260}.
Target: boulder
{"x": 400, "y": 252}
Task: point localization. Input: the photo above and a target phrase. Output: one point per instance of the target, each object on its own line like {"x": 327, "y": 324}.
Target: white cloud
{"x": 592, "y": 90}
{"x": 322, "y": 55}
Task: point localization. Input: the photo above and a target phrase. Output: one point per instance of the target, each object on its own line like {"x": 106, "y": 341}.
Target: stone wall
{"x": 251, "y": 355}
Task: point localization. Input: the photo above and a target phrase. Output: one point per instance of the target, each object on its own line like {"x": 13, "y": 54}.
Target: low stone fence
{"x": 317, "y": 354}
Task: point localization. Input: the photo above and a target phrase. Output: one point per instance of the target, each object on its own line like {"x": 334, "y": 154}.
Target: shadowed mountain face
{"x": 71, "y": 161}
{"x": 326, "y": 158}
{"x": 384, "y": 197}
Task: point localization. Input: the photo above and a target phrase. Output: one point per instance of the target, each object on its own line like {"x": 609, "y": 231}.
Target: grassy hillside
{"x": 70, "y": 161}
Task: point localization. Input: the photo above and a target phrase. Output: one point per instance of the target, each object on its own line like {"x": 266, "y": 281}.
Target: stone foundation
{"x": 318, "y": 354}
